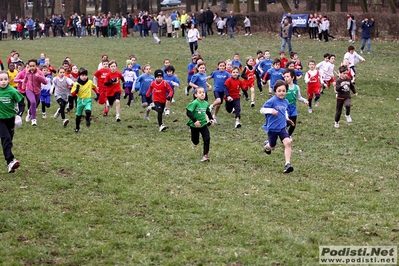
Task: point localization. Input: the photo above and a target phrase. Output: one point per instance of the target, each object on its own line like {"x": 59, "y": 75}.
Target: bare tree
{"x": 392, "y": 6}
{"x": 83, "y": 7}
{"x": 236, "y": 6}
{"x": 310, "y": 5}
{"x": 250, "y": 6}
{"x": 330, "y": 5}
{"x": 363, "y": 5}
{"x": 188, "y": 6}
{"x": 285, "y": 5}
{"x": 344, "y": 5}
{"x": 262, "y": 5}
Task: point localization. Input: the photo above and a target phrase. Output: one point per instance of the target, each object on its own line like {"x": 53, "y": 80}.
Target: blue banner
{"x": 298, "y": 20}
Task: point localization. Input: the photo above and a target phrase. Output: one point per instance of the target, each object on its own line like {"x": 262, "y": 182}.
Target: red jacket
{"x": 159, "y": 91}
{"x": 233, "y": 87}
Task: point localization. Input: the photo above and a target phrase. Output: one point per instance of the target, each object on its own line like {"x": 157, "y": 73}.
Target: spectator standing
{"x": 231, "y": 22}
{"x": 201, "y": 23}
{"x": 209, "y": 20}
{"x": 286, "y": 35}
{"x": 366, "y": 34}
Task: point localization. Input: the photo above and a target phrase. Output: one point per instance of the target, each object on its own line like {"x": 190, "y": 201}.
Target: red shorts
{"x": 248, "y": 84}
{"x": 329, "y": 82}
{"x": 313, "y": 88}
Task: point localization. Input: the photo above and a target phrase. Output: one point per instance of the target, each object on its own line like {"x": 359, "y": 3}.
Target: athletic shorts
{"x": 272, "y": 136}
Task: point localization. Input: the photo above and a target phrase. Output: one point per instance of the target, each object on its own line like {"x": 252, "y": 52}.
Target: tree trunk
{"x": 83, "y": 7}
{"x": 114, "y": 6}
{"x": 123, "y": 5}
{"x": 214, "y": 2}
{"x": 236, "y": 6}
{"x": 158, "y": 6}
{"x": 344, "y": 5}
{"x": 285, "y": 5}
{"x": 310, "y": 5}
{"x": 4, "y": 8}
{"x": 250, "y": 6}
{"x": 96, "y": 7}
{"x": 363, "y": 5}
{"x": 392, "y": 6}
{"x": 188, "y": 6}
{"x": 104, "y": 6}
{"x": 318, "y": 5}
{"x": 262, "y": 5}
{"x": 330, "y": 5}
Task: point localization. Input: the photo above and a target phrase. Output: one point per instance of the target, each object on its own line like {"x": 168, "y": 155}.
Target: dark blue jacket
{"x": 231, "y": 21}
{"x": 366, "y": 25}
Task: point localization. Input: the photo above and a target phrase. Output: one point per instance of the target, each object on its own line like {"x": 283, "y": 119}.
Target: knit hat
{"x": 158, "y": 73}
{"x": 83, "y": 71}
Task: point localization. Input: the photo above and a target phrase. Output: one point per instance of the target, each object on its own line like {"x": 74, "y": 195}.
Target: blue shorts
{"x": 145, "y": 99}
{"x": 219, "y": 95}
{"x": 45, "y": 99}
{"x": 272, "y": 136}
{"x": 292, "y": 110}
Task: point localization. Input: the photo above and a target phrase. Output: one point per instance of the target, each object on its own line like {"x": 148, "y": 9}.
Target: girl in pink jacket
{"x": 32, "y": 83}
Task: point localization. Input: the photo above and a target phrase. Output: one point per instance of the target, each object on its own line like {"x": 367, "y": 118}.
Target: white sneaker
{"x": 246, "y": 34}
{"x": 44, "y": 115}
{"x": 146, "y": 117}
{"x": 336, "y": 125}
{"x": 299, "y": 35}
{"x": 28, "y": 117}
{"x": 149, "y": 107}
{"x": 65, "y": 122}
{"x": 57, "y": 113}
{"x": 118, "y": 118}
{"x": 316, "y": 103}
{"x": 14, "y": 164}
{"x": 167, "y": 112}
{"x": 34, "y": 123}
{"x": 310, "y": 110}
{"x": 211, "y": 108}
{"x": 144, "y": 105}
{"x": 361, "y": 51}
{"x": 238, "y": 124}
{"x": 350, "y": 41}
{"x": 348, "y": 118}
{"x": 162, "y": 128}
{"x": 252, "y": 104}
{"x": 214, "y": 119}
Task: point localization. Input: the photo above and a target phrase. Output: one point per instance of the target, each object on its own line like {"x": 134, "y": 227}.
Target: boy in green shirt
{"x": 200, "y": 117}
{"x": 9, "y": 117}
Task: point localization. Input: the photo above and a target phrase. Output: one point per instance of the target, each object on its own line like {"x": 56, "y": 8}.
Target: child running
{"x": 129, "y": 75}
{"x": 232, "y": 94}
{"x": 113, "y": 84}
{"x": 314, "y": 80}
{"x": 275, "y": 111}
{"x": 274, "y": 73}
{"x": 45, "y": 94}
{"x": 199, "y": 118}
{"x": 82, "y": 90}
{"x": 161, "y": 92}
{"x": 293, "y": 94}
{"x": 171, "y": 78}
{"x": 99, "y": 79}
{"x": 32, "y": 82}
{"x": 343, "y": 88}
{"x": 219, "y": 78}
{"x": 62, "y": 85}
{"x": 248, "y": 74}
{"x": 144, "y": 81}
{"x": 200, "y": 80}
{"x": 9, "y": 118}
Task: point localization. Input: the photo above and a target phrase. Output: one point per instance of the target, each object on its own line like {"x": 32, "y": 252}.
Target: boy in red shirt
{"x": 161, "y": 91}
{"x": 99, "y": 78}
{"x": 113, "y": 90}
{"x": 232, "y": 94}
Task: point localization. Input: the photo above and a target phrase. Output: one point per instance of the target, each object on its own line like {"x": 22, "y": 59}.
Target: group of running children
{"x": 71, "y": 86}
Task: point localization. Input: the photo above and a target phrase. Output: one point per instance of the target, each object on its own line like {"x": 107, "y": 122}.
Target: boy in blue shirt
{"x": 275, "y": 73}
{"x": 171, "y": 78}
{"x": 275, "y": 111}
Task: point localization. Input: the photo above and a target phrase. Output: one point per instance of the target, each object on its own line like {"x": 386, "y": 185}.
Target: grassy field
{"x": 126, "y": 194}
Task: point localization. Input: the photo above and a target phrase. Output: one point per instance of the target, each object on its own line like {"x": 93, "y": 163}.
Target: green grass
{"x": 125, "y": 194}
